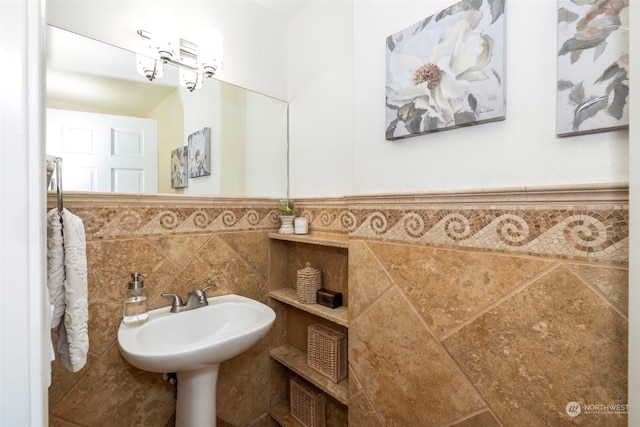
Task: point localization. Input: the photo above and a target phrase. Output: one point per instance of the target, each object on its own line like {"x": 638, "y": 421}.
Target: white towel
{"x": 67, "y": 283}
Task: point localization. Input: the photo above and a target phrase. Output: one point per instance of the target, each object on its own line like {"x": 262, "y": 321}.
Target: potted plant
{"x": 286, "y": 216}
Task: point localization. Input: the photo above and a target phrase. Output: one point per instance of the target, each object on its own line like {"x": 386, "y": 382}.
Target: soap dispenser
{"x": 135, "y": 301}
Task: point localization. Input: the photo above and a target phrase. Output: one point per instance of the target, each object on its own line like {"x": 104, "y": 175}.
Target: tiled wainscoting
{"x": 179, "y": 247}
{"x": 467, "y": 309}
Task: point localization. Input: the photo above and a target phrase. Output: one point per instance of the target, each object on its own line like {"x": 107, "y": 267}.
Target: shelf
{"x": 296, "y": 360}
{"x": 287, "y": 253}
{"x": 282, "y": 415}
{"x": 316, "y": 238}
{"x": 289, "y": 296}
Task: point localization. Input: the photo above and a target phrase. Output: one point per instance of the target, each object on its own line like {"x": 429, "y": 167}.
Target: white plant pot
{"x": 287, "y": 224}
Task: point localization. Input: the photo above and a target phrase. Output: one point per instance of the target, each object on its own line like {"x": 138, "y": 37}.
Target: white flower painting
{"x": 179, "y": 163}
{"x": 447, "y": 70}
{"x": 593, "y": 66}
{"x": 199, "y": 158}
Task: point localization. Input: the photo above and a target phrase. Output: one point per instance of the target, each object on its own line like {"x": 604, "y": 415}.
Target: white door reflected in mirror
{"x": 103, "y": 152}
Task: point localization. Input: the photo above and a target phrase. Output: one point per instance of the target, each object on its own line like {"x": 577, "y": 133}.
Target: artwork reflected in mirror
{"x": 179, "y": 166}
{"x": 199, "y": 157}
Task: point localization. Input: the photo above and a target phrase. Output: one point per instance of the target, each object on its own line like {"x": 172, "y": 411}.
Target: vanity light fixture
{"x": 195, "y": 61}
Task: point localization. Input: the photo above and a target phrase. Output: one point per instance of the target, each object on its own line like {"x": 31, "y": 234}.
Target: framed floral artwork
{"x": 447, "y": 70}
{"x": 179, "y": 164}
{"x": 199, "y": 157}
{"x": 593, "y": 66}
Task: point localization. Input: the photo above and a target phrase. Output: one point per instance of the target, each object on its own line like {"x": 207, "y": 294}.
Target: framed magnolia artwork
{"x": 593, "y": 66}
{"x": 447, "y": 70}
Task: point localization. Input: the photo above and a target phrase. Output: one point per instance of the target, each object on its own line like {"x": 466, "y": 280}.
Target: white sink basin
{"x": 174, "y": 342}
{"x": 193, "y": 343}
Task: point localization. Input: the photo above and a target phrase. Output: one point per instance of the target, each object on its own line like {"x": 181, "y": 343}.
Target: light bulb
{"x": 149, "y": 67}
{"x": 190, "y": 79}
{"x": 209, "y": 51}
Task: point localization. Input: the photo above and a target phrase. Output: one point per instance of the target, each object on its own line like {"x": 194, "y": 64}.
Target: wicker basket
{"x": 307, "y": 403}
{"x": 327, "y": 352}
{"x": 308, "y": 283}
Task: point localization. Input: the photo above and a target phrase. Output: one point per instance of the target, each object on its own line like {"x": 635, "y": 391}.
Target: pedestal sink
{"x": 193, "y": 344}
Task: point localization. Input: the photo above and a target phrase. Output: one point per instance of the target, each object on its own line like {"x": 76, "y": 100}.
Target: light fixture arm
{"x": 186, "y": 46}
{"x": 151, "y": 76}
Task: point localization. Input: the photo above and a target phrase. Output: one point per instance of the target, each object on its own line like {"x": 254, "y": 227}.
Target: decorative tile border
{"x": 121, "y": 221}
{"x": 587, "y": 223}
{"x": 594, "y": 234}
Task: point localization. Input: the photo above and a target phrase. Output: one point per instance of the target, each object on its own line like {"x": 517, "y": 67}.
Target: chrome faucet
{"x": 195, "y": 299}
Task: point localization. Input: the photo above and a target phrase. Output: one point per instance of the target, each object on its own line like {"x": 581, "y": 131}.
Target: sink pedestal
{"x": 193, "y": 344}
{"x": 196, "y": 404}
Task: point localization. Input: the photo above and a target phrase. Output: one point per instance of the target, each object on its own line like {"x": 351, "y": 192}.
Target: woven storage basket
{"x": 327, "y": 352}
{"x": 308, "y": 283}
{"x": 307, "y": 403}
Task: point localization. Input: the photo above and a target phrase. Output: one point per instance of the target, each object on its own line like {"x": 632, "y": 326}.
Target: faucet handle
{"x": 202, "y": 293}
{"x": 206, "y": 288}
{"x": 177, "y": 304}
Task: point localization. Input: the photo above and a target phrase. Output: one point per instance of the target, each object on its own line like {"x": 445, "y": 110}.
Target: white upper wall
{"x": 328, "y": 61}
{"x": 320, "y": 86}
{"x": 254, "y": 38}
{"x": 523, "y": 150}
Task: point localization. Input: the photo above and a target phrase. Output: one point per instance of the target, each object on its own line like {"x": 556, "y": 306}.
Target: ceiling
{"x": 285, "y": 8}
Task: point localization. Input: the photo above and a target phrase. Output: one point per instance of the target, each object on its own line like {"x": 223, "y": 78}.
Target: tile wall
{"x": 475, "y": 309}
{"x": 179, "y": 248}
{"x": 489, "y": 312}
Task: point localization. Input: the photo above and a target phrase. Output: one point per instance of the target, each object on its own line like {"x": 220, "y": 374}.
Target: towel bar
{"x": 58, "y": 161}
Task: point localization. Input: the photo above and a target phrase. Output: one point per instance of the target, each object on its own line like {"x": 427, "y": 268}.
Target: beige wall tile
{"x": 278, "y": 383}
{"x": 176, "y": 263}
{"x": 114, "y": 393}
{"x": 405, "y": 372}
{"x": 448, "y": 287}
{"x": 613, "y": 283}
{"x": 109, "y": 264}
{"x": 57, "y": 422}
{"x": 217, "y": 263}
{"x": 179, "y": 249}
{"x": 367, "y": 279}
{"x": 361, "y": 412}
{"x": 483, "y": 419}
{"x": 243, "y": 385}
{"x": 552, "y": 343}
{"x": 63, "y": 379}
{"x": 400, "y": 293}
{"x": 252, "y": 247}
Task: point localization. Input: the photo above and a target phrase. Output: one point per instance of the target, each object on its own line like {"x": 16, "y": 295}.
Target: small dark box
{"x": 329, "y": 298}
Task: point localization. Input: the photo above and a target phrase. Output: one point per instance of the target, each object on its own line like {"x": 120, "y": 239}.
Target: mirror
{"x": 98, "y": 107}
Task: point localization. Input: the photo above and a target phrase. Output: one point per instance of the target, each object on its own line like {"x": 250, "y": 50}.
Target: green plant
{"x": 286, "y": 206}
